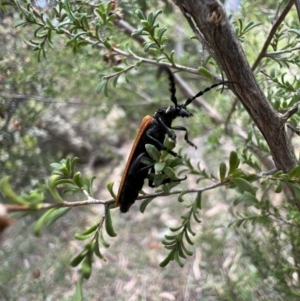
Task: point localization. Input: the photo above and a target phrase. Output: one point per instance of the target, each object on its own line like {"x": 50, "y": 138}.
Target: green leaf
{"x": 137, "y": 32}
{"x": 159, "y": 166}
{"x": 34, "y": 198}
{"x": 158, "y": 179}
{"x": 109, "y": 225}
{"x": 295, "y": 172}
{"x": 294, "y": 30}
{"x": 233, "y": 162}
{"x": 140, "y": 14}
{"x": 188, "y": 252}
{"x": 170, "y": 142}
{"x": 149, "y": 45}
{"x": 167, "y": 259}
{"x": 180, "y": 197}
{"x": 153, "y": 152}
{"x": 175, "y": 229}
{"x": 86, "y": 234}
{"x": 102, "y": 86}
{"x": 177, "y": 259}
{"x": 238, "y": 200}
{"x": 222, "y": 170}
{"x": 173, "y": 162}
{"x": 156, "y": 14}
{"x": 196, "y": 218}
{"x": 72, "y": 165}
{"x": 160, "y": 34}
{"x": 76, "y": 261}
{"x": 147, "y": 161}
{"x": 170, "y": 172}
{"x": 63, "y": 181}
{"x": 51, "y": 187}
{"x": 278, "y": 188}
{"x": 21, "y": 23}
{"x": 144, "y": 204}
{"x": 110, "y": 186}
{"x": 78, "y": 179}
{"x": 251, "y": 200}
{"x": 250, "y": 26}
{"x": 86, "y": 267}
{"x": 244, "y": 185}
{"x": 9, "y": 193}
{"x": 40, "y": 222}
{"x": 78, "y": 293}
{"x": 56, "y": 165}
{"x": 206, "y": 73}
{"x": 97, "y": 251}
{"x": 198, "y": 200}
{"x": 56, "y": 214}
{"x": 189, "y": 227}
{"x": 172, "y": 57}
{"x": 102, "y": 240}
{"x": 89, "y": 185}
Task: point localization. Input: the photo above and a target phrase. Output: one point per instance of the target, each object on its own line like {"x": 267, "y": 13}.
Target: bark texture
{"x": 208, "y": 20}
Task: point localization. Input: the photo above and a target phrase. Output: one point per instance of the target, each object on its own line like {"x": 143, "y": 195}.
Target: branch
{"x": 208, "y": 17}
{"x": 92, "y": 201}
{"x": 274, "y": 53}
{"x": 291, "y": 111}
{"x": 272, "y": 32}
{"x": 297, "y": 3}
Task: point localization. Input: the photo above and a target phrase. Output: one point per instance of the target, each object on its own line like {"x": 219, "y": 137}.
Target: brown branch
{"x": 208, "y": 17}
{"x": 91, "y": 201}
{"x": 274, "y": 53}
{"x": 297, "y": 3}
{"x": 288, "y": 114}
{"x": 272, "y": 32}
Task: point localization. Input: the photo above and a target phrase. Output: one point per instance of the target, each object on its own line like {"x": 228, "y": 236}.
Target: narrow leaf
{"x": 78, "y": 293}
{"x": 153, "y": 152}
{"x": 144, "y": 204}
{"x": 108, "y": 224}
{"x": 203, "y": 71}
{"x": 222, "y": 170}
{"x": 244, "y": 185}
{"x": 233, "y": 162}
{"x": 167, "y": 259}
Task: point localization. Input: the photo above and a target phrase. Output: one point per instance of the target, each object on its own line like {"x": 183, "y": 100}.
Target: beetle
{"x": 152, "y": 131}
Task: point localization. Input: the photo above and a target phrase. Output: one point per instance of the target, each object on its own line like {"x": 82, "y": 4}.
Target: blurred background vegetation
{"x": 50, "y": 109}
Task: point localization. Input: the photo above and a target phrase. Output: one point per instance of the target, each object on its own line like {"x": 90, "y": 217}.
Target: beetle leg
{"x": 186, "y": 138}
{"x": 135, "y": 164}
{"x": 171, "y": 136}
{"x": 143, "y": 169}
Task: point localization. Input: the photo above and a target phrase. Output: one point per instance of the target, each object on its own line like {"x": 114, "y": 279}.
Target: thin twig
{"x": 297, "y": 3}
{"x": 272, "y": 32}
{"x": 274, "y": 217}
{"x": 274, "y": 53}
{"x": 290, "y": 112}
{"x": 293, "y": 129}
{"x": 92, "y": 201}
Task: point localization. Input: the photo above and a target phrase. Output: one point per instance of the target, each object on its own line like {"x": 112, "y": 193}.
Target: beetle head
{"x": 178, "y": 111}
{"x": 168, "y": 114}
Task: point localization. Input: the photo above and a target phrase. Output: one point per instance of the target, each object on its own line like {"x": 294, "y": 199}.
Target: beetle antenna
{"x": 188, "y": 101}
{"x": 171, "y": 81}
